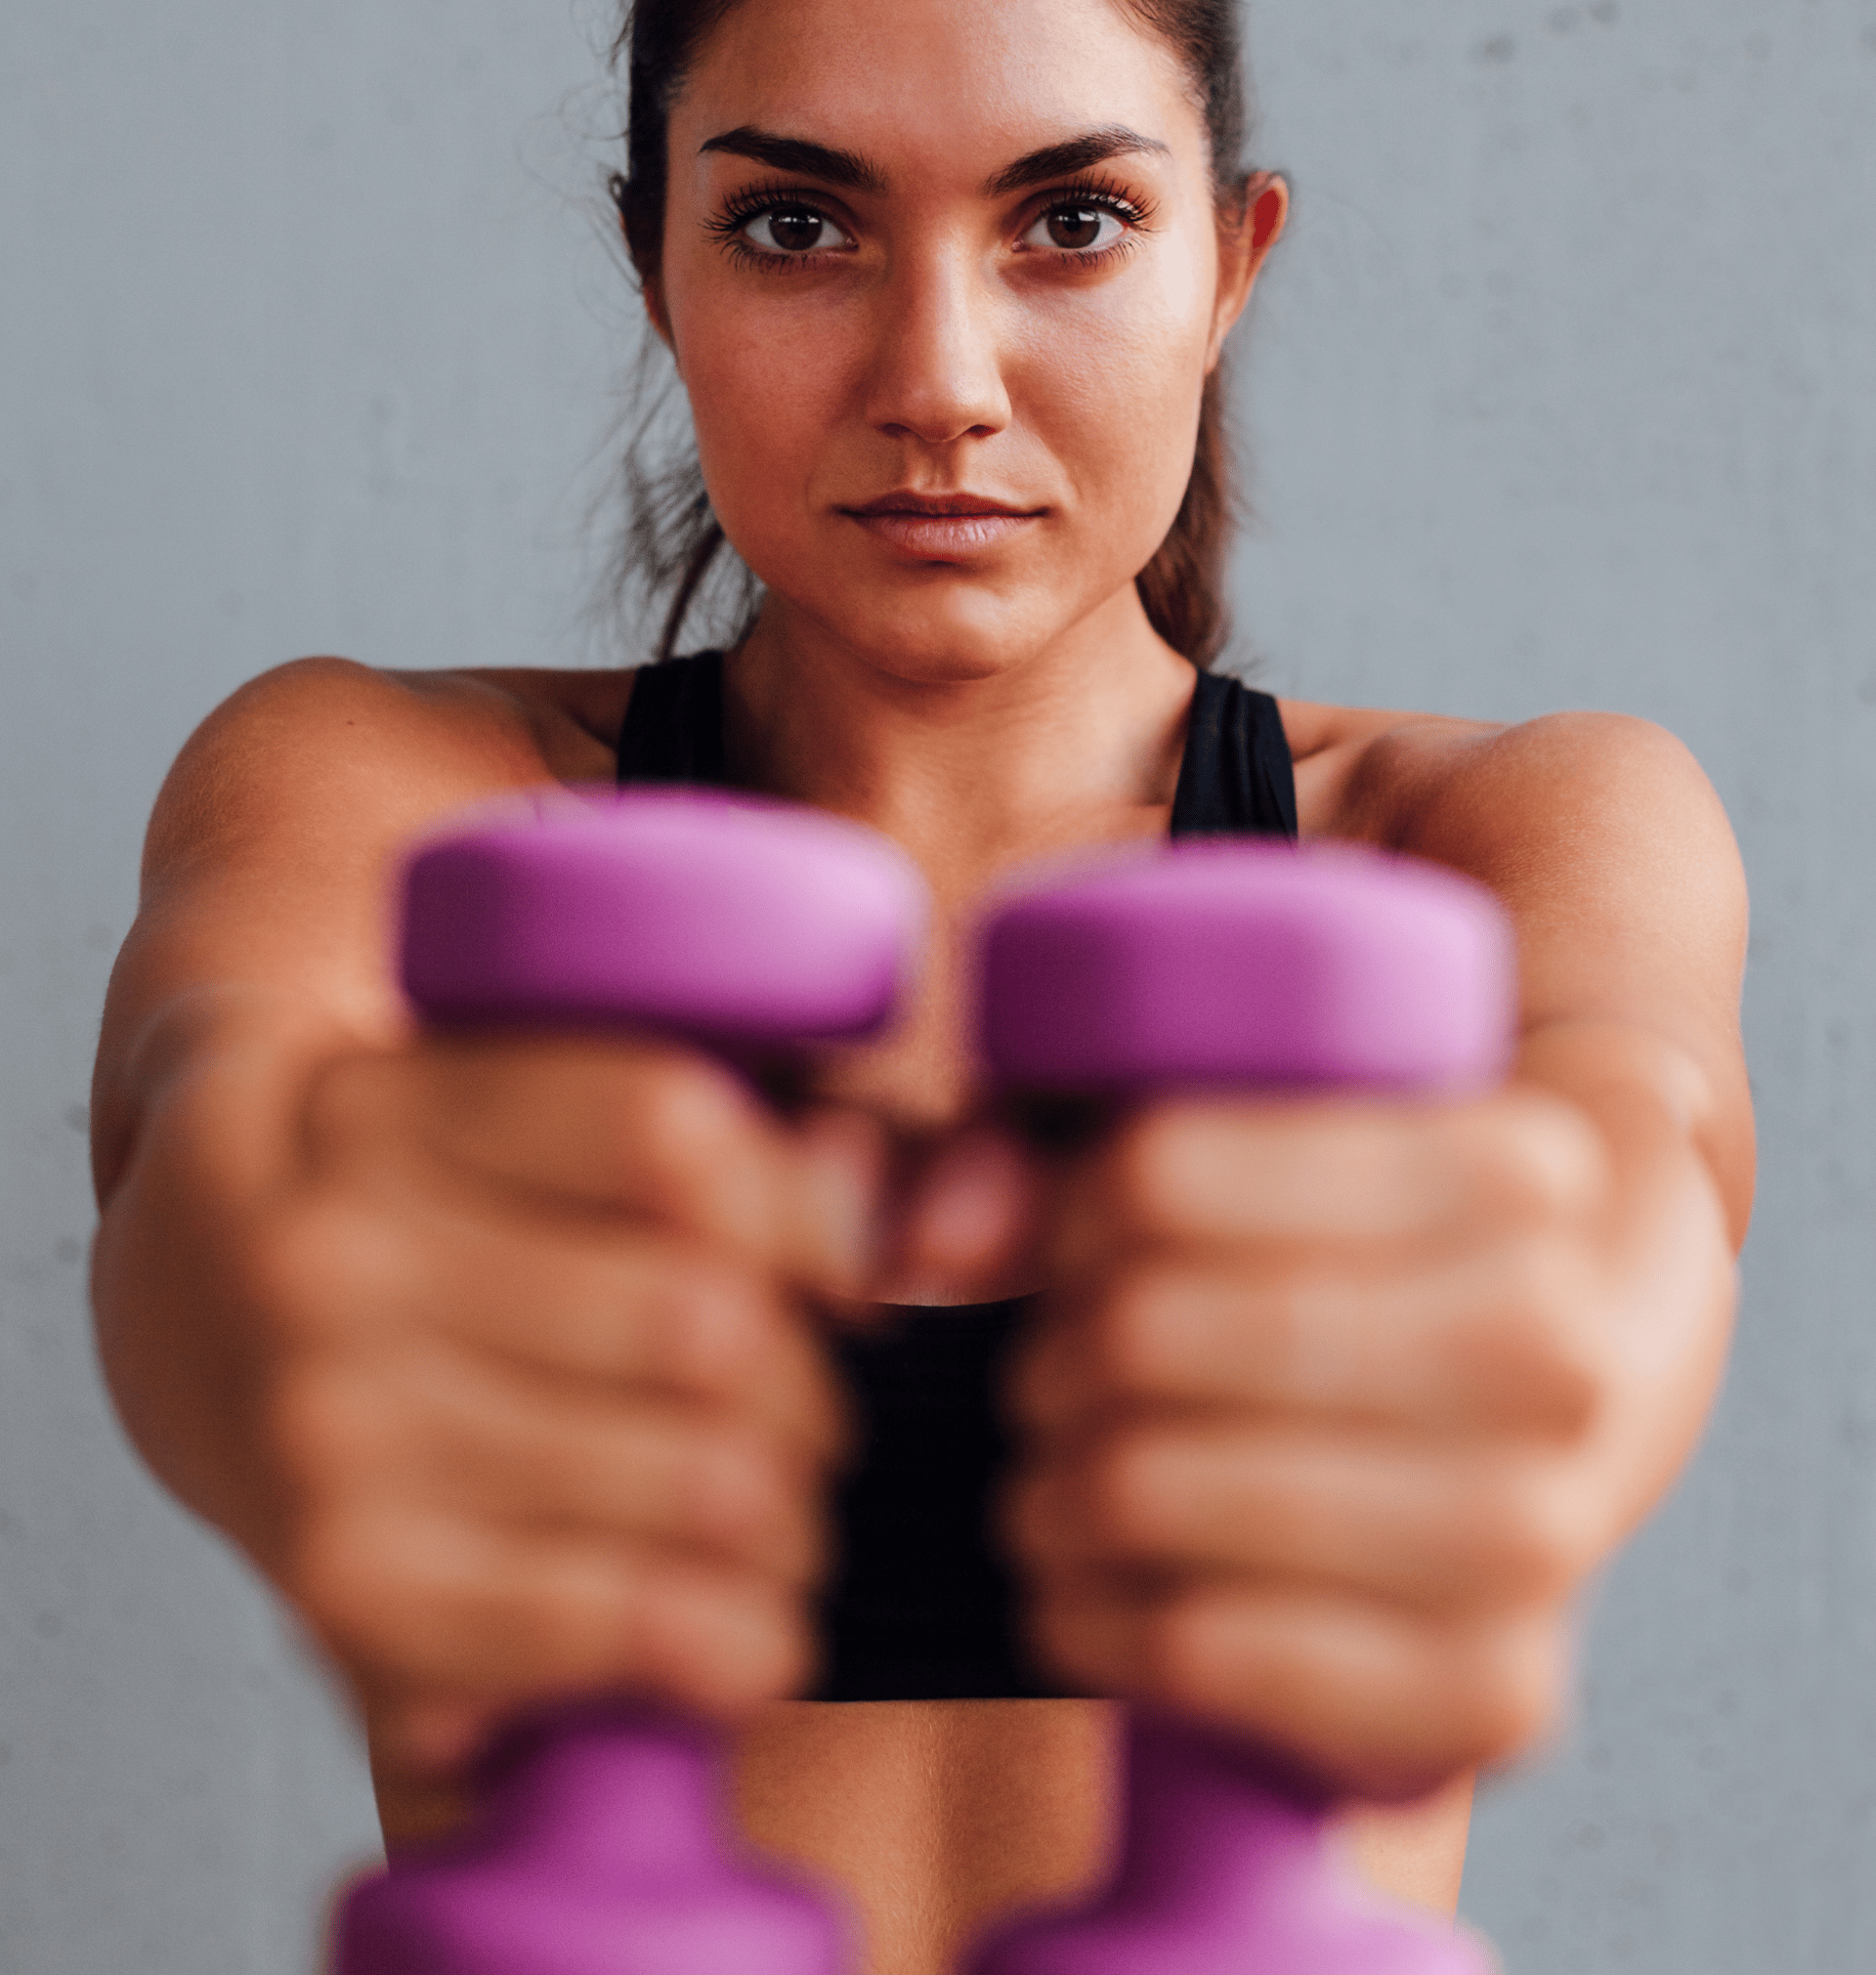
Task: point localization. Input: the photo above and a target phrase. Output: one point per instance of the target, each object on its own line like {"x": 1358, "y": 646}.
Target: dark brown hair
{"x": 675, "y": 541}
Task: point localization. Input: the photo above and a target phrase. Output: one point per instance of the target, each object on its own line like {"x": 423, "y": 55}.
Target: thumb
{"x": 970, "y": 1219}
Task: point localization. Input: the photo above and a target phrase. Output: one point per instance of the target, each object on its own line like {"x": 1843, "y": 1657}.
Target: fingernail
{"x": 970, "y": 1203}
{"x": 843, "y": 1168}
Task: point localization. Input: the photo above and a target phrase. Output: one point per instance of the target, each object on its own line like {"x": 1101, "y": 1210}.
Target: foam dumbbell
{"x": 752, "y": 929}
{"x": 1250, "y": 968}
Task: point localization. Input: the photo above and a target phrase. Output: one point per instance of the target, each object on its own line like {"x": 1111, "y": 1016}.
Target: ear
{"x": 1245, "y": 239}
{"x": 648, "y": 288}
{"x": 648, "y": 293}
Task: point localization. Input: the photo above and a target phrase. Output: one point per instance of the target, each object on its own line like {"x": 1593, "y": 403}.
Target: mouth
{"x": 942, "y": 527}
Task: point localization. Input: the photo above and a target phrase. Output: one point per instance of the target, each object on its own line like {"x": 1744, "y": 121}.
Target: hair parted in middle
{"x": 674, "y": 542}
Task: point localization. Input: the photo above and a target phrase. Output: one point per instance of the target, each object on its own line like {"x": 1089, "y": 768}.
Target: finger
{"x": 1444, "y": 1534}
{"x": 843, "y": 1159}
{"x": 450, "y": 1434}
{"x": 628, "y": 1307}
{"x": 1508, "y": 1338}
{"x": 430, "y": 1605}
{"x": 1375, "y": 1703}
{"x": 645, "y": 1131}
{"x": 420, "y": 1743}
{"x": 971, "y": 1216}
{"x": 1234, "y": 1172}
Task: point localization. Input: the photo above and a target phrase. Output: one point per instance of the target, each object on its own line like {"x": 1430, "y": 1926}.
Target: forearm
{"x": 195, "y": 1109}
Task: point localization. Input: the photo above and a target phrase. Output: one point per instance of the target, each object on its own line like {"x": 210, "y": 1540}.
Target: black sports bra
{"x": 922, "y": 1607}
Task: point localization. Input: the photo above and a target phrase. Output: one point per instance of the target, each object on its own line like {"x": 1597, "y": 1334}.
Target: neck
{"x": 990, "y": 763}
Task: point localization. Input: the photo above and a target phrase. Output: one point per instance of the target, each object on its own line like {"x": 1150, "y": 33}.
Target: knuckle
{"x": 316, "y": 1421}
{"x": 1511, "y": 1690}
{"x": 1533, "y": 1538}
{"x": 331, "y": 1267}
{"x": 716, "y": 1642}
{"x": 720, "y": 1328}
{"x": 352, "y": 1103}
{"x": 1121, "y": 1331}
{"x": 285, "y": 1271}
{"x": 689, "y": 1113}
{"x": 1543, "y": 1346}
{"x": 1180, "y": 1652}
{"x": 342, "y": 1571}
{"x": 733, "y": 1487}
{"x": 1135, "y": 1174}
{"x": 1544, "y": 1157}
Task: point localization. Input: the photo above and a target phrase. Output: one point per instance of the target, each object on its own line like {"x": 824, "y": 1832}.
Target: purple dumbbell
{"x": 1247, "y": 966}
{"x": 753, "y": 928}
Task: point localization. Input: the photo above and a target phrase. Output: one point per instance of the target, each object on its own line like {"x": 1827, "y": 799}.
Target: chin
{"x": 955, "y": 634}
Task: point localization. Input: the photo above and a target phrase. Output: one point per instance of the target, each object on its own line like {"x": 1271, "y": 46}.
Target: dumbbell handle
{"x": 751, "y": 928}
{"x": 1255, "y": 969}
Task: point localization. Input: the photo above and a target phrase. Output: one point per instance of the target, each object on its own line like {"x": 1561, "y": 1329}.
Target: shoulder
{"x": 326, "y": 737}
{"x": 1599, "y": 830}
{"x": 562, "y": 715}
{"x": 1472, "y": 792}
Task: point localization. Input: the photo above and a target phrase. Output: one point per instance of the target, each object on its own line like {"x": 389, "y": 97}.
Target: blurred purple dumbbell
{"x": 752, "y": 929}
{"x": 1230, "y": 966}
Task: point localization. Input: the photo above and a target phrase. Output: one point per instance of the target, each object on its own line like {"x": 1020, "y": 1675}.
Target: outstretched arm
{"x": 490, "y": 1352}
{"x": 1339, "y": 1403}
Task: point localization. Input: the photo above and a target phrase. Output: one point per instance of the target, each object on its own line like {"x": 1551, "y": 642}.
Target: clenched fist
{"x": 1333, "y": 1406}
{"x": 515, "y": 1386}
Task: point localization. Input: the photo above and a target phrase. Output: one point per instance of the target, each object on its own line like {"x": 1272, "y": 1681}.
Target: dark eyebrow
{"x": 796, "y": 154}
{"x": 1073, "y": 154}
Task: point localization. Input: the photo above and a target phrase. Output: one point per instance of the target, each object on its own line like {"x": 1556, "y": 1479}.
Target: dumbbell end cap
{"x": 745, "y": 924}
{"x": 1249, "y": 965}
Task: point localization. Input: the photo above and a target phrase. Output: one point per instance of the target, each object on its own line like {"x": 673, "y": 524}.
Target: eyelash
{"x": 740, "y": 208}
{"x": 1105, "y": 196}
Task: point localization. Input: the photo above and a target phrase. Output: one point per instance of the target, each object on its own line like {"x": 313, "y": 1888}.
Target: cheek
{"x": 1114, "y": 394}
{"x": 767, "y": 389}
{"x": 1104, "y": 386}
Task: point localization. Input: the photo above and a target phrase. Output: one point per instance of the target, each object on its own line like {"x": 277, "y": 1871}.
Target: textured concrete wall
{"x": 1564, "y": 392}
{"x": 304, "y": 346}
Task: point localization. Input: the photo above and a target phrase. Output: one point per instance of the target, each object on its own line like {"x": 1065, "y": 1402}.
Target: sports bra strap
{"x": 1234, "y": 780}
{"x": 673, "y": 729}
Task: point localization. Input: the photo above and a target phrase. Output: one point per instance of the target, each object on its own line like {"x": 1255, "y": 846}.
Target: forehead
{"x": 945, "y": 87}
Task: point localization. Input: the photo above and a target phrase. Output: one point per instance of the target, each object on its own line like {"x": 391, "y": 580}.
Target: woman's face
{"x": 929, "y": 255}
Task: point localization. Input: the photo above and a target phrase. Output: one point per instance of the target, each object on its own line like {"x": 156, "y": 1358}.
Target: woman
{"x": 499, "y": 1356}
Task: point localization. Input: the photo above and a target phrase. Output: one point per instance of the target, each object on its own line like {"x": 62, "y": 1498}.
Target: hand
{"x": 504, "y": 1377}
{"x": 1335, "y": 1404}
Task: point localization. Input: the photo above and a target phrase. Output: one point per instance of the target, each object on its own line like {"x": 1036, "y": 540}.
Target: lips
{"x": 942, "y": 527}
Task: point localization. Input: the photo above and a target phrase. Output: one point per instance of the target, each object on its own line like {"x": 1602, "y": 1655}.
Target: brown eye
{"x": 1075, "y": 229}
{"x": 793, "y": 230}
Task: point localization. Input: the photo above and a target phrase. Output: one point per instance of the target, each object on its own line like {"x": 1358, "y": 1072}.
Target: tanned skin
{"x": 502, "y": 1357}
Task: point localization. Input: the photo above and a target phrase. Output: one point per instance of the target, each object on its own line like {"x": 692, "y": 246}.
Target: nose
{"x": 937, "y": 374}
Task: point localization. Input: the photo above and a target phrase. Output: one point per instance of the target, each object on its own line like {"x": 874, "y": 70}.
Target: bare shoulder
{"x": 270, "y": 852}
{"x": 1568, "y": 794}
{"x": 310, "y": 745}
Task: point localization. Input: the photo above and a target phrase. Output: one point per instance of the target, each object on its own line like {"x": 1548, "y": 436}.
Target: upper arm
{"x": 270, "y": 853}
{"x": 1607, "y": 843}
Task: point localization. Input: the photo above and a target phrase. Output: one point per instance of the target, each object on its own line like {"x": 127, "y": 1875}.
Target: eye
{"x": 1077, "y": 226}
{"x": 791, "y": 230}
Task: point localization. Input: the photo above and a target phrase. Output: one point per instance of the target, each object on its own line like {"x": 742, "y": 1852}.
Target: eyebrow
{"x": 857, "y": 173}
{"x": 797, "y": 154}
{"x": 1073, "y": 154}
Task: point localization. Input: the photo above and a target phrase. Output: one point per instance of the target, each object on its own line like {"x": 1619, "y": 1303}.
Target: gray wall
{"x": 1564, "y": 392}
